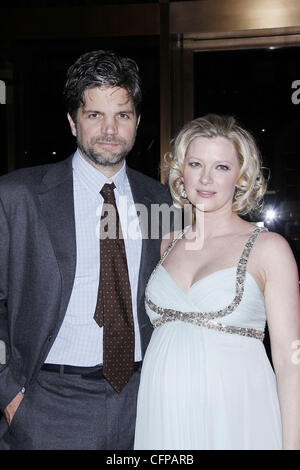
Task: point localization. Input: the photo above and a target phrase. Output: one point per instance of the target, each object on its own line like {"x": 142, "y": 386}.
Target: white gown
{"x": 206, "y": 380}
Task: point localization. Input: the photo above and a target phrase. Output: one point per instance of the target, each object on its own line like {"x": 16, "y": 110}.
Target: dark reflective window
{"x": 41, "y": 132}
{"x": 261, "y": 88}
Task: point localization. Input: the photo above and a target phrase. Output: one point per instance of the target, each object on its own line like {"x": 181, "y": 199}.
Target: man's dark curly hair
{"x": 101, "y": 69}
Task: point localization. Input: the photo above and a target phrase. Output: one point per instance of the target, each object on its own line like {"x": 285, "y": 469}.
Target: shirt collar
{"x": 93, "y": 179}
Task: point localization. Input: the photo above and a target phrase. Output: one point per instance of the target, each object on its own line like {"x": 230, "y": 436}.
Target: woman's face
{"x": 211, "y": 169}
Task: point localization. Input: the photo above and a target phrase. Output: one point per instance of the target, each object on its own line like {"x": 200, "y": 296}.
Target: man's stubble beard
{"x": 99, "y": 158}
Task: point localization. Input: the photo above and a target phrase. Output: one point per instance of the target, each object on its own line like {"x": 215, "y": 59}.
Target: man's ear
{"x": 72, "y": 125}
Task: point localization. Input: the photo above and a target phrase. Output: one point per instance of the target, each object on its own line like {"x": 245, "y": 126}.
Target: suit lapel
{"x": 57, "y": 206}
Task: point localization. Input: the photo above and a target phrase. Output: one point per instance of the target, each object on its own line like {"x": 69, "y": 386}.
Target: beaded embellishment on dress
{"x": 207, "y": 319}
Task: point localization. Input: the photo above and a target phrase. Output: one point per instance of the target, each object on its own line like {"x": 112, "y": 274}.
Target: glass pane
{"x": 43, "y": 134}
{"x": 261, "y": 88}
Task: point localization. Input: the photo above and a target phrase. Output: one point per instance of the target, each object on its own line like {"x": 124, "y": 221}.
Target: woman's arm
{"x": 283, "y": 316}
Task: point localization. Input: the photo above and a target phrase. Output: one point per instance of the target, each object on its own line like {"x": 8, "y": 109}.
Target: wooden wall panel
{"x": 213, "y": 16}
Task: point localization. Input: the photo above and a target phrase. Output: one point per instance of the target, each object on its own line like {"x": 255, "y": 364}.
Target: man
{"x": 63, "y": 330}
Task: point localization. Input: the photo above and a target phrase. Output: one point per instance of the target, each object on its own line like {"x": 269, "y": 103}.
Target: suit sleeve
{"x": 9, "y": 387}
{"x": 4, "y": 252}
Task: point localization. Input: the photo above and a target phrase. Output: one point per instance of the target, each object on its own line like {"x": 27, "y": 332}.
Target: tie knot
{"x": 107, "y": 192}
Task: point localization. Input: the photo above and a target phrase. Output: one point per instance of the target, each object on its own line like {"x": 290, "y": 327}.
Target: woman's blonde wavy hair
{"x": 251, "y": 184}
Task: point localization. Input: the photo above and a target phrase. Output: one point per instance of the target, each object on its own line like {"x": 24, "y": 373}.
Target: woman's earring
{"x": 183, "y": 194}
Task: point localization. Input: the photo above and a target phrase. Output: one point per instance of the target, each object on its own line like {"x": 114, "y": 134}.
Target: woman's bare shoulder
{"x": 272, "y": 248}
{"x": 272, "y": 241}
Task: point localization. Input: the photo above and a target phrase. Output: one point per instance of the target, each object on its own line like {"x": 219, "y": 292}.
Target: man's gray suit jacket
{"x": 38, "y": 260}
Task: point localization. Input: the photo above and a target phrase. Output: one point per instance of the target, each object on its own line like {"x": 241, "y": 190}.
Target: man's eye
{"x": 124, "y": 115}
{"x": 93, "y": 115}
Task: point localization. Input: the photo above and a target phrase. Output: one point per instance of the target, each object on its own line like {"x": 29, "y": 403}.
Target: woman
{"x": 206, "y": 381}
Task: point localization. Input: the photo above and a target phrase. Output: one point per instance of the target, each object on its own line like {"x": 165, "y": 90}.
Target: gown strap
{"x": 207, "y": 319}
{"x": 167, "y": 251}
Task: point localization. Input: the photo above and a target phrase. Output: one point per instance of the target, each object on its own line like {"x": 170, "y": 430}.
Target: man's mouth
{"x": 107, "y": 144}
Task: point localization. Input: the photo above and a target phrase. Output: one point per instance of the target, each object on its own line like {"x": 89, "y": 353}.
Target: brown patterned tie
{"x": 114, "y": 307}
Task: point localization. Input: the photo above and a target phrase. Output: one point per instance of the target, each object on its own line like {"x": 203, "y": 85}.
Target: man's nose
{"x": 109, "y": 125}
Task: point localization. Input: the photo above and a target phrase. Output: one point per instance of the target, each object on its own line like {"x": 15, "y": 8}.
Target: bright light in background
{"x": 270, "y": 215}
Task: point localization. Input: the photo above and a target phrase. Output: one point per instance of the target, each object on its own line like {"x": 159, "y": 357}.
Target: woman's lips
{"x": 206, "y": 194}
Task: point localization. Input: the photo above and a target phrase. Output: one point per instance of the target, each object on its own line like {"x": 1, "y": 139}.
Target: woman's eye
{"x": 194, "y": 164}
{"x": 223, "y": 167}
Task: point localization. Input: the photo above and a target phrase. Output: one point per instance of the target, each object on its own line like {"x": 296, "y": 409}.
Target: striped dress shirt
{"x": 80, "y": 340}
